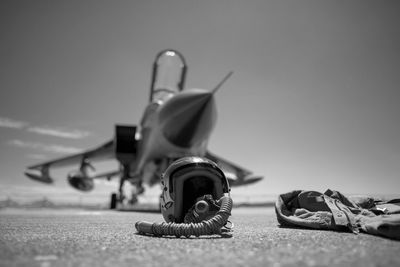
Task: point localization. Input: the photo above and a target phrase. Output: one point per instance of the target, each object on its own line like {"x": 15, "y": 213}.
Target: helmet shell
{"x": 187, "y": 179}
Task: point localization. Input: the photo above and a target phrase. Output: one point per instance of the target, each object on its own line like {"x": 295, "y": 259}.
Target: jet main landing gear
{"x": 113, "y": 201}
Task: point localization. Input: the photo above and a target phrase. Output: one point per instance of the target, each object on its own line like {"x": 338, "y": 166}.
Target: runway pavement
{"x": 108, "y": 238}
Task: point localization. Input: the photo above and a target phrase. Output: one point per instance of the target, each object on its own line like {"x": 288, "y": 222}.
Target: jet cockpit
{"x": 169, "y": 73}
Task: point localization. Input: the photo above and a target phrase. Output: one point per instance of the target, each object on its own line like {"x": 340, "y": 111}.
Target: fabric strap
{"x": 341, "y": 214}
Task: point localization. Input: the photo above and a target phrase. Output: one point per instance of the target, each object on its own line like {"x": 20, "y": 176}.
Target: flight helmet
{"x": 185, "y": 181}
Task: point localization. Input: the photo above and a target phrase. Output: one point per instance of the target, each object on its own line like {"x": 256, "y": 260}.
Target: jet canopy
{"x": 169, "y": 71}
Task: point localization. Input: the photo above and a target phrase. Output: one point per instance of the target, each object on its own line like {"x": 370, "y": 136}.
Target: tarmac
{"x": 49, "y": 237}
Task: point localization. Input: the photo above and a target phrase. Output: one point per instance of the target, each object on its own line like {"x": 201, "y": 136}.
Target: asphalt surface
{"x": 108, "y": 238}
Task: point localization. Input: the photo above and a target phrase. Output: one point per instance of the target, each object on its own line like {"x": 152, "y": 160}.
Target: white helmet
{"x": 187, "y": 179}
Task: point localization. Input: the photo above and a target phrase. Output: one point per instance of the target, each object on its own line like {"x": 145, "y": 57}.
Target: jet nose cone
{"x": 188, "y": 118}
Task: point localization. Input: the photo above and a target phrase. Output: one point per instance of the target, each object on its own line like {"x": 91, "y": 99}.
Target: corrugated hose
{"x": 213, "y": 226}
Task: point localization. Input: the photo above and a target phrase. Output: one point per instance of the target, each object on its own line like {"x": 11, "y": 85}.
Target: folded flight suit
{"x": 334, "y": 211}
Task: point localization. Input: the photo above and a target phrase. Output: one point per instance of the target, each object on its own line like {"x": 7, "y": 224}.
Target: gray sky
{"x": 313, "y": 102}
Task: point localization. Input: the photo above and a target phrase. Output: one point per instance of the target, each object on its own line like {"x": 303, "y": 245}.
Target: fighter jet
{"x": 175, "y": 123}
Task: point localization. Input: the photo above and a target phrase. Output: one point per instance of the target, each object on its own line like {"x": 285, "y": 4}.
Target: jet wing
{"x": 235, "y": 174}
{"x": 104, "y": 151}
{"x": 107, "y": 175}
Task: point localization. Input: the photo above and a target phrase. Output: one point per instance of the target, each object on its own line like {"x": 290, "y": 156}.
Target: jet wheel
{"x": 113, "y": 201}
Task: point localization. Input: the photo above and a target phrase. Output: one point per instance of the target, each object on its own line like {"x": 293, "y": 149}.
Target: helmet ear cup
{"x": 187, "y": 179}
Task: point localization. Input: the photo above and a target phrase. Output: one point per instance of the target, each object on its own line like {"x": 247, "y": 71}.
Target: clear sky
{"x": 313, "y": 102}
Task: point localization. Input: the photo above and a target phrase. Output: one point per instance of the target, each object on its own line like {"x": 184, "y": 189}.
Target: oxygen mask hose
{"x": 216, "y": 225}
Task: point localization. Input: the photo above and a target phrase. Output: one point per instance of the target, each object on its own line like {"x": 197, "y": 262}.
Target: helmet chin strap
{"x": 214, "y": 223}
